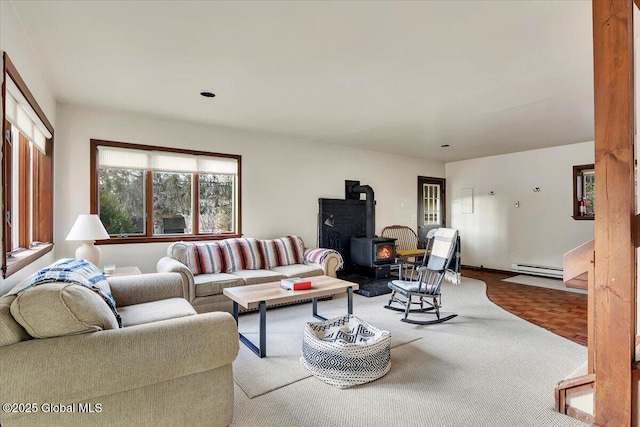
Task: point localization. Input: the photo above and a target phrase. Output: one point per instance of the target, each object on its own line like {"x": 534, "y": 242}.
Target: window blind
{"x": 22, "y": 116}
{"x": 111, "y": 157}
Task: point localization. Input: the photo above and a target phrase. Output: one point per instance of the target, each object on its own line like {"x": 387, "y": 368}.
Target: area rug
{"x": 543, "y": 282}
{"x": 484, "y": 368}
{"x": 285, "y": 330}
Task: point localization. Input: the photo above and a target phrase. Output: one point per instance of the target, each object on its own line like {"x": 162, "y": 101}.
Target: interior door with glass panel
{"x": 431, "y": 205}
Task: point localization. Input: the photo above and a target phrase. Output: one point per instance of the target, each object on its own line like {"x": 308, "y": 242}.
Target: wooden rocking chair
{"x": 408, "y": 293}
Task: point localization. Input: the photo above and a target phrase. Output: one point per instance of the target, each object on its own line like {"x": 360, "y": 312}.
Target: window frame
{"x": 149, "y": 237}
{"x": 40, "y": 217}
{"x": 578, "y": 173}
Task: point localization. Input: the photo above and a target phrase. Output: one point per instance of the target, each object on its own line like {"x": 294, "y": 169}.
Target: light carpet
{"x": 543, "y": 282}
{"x": 485, "y": 367}
{"x": 285, "y": 330}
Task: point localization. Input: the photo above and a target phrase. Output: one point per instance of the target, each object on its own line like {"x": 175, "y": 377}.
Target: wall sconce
{"x": 536, "y": 190}
{"x": 328, "y": 222}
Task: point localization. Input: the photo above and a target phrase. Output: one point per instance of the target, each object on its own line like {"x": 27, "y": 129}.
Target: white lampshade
{"x": 87, "y": 229}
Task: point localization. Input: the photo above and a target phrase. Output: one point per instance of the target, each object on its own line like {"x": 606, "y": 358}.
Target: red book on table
{"x": 295, "y": 284}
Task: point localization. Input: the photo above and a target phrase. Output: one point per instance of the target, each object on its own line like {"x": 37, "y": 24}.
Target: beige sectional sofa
{"x": 167, "y": 365}
{"x": 209, "y": 267}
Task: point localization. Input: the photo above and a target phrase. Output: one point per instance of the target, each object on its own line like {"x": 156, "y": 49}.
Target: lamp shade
{"x": 87, "y": 227}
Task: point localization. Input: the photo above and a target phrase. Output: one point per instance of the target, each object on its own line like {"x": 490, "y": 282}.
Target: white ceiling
{"x": 486, "y": 77}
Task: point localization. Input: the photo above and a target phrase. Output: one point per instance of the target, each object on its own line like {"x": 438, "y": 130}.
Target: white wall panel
{"x": 541, "y": 230}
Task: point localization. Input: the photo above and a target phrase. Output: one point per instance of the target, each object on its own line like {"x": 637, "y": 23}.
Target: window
{"x": 146, "y": 194}
{"x": 27, "y": 175}
{"x": 584, "y": 191}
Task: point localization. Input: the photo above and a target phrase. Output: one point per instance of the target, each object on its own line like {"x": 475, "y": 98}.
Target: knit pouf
{"x": 346, "y": 351}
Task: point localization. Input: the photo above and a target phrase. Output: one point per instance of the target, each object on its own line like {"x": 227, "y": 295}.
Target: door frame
{"x": 420, "y": 197}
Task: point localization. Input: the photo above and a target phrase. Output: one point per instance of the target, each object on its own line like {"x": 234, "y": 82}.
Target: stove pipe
{"x": 370, "y": 221}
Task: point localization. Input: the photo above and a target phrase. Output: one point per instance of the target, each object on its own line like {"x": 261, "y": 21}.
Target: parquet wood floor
{"x": 563, "y": 313}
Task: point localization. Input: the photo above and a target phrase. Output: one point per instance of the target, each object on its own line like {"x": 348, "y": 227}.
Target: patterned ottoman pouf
{"x": 346, "y": 351}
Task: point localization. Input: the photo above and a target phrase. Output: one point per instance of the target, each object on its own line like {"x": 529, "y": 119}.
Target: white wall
{"x": 282, "y": 178}
{"x": 14, "y": 41}
{"x": 541, "y": 230}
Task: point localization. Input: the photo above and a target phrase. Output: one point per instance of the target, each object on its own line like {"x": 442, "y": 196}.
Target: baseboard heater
{"x": 538, "y": 270}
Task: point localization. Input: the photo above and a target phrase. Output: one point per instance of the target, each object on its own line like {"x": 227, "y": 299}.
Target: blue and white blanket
{"x": 76, "y": 271}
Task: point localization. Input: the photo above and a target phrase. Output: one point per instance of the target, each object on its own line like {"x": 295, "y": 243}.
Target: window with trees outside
{"x": 27, "y": 175}
{"x": 144, "y": 193}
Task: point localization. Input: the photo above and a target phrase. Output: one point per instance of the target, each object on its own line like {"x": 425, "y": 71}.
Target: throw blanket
{"x": 78, "y": 272}
{"x": 318, "y": 255}
{"x": 445, "y": 254}
{"x": 454, "y": 267}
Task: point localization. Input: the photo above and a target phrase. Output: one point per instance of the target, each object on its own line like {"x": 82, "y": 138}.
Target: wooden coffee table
{"x": 265, "y": 294}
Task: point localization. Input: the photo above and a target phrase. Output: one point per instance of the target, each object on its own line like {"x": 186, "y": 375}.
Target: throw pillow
{"x": 59, "y": 309}
{"x": 206, "y": 258}
{"x": 284, "y": 251}
{"x": 76, "y": 271}
{"x": 244, "y": 254}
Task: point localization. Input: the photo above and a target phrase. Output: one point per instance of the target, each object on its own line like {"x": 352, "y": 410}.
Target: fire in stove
{"x": 384, "y": 252}
{"x": 372, "y": 252}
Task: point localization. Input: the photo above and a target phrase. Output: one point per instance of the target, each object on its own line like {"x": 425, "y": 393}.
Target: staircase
{"x": 574, "y": 396}
{"x": 575, "y": 265}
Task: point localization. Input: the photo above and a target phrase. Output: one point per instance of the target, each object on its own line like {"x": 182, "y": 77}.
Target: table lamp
{"x": 88, "y": 229}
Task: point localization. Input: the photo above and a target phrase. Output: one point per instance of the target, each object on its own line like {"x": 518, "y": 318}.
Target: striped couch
{"x": 209, "y": 267}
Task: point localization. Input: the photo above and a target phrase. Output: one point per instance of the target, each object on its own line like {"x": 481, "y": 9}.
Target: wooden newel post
{"x": 615, "y": 267}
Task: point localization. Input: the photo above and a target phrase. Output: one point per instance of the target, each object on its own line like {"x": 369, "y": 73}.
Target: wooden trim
{"x": 25, "y": 258}
{"x": 195, "y": 204}
{"x": 420, "y": 197}
{"x": 238, "y": 212}
{"x": 134, "y": 146}
{"x": 591, "y": 314}
{"x": 35, "y": 195}
{"x": 166, "y": 238}
{"x": 24, "y": 191}
{"x": 10, "y": 69}
{"x": 93, "y": 177}
{"x": 580, "y": 415}
{"x": 571, "y": 387}
{"x": 615, "y": 270}
{"x": 578, "y": 282}
{"x": 148, "y": 205}
{"x": 576, "y": 207}
{"x": 7, "y": 196}
{"x": 42, "y": 219}
{"x": 45, "y": 188}
{"x": 576, "y": 261}
{"x": 635, "y": 367}
{"x": 148, "y": 236}
{"x": 583, "y": 218}
{"x": 635, "y": 378}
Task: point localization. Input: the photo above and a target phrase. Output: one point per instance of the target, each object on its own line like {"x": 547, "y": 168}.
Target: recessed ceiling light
{"x": 444, "y": 145}
{"x": 208, "y": 94}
